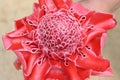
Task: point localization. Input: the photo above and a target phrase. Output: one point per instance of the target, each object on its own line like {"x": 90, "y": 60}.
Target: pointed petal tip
{"x": 17, "y": 64}
{"x": 108, "y": 72}
{"x": 7, "y": 42}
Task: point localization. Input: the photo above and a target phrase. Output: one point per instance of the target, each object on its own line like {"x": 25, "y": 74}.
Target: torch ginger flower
{"x": 61, "y": 40}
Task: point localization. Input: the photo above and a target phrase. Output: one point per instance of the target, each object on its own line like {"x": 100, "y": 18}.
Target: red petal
{"x": 56, "y": 73}
{"x": 102, "y": 20}
{"x": 12, "y": 43}
{"x": 17, "y": 64}
{"x": 19, "y": 23}
{"x": 72, "y": 57}
{"x": 41, "y": 3}
{"x": 33, "y": 19}
{"x": 68, "y": 2}
{"x": 39, "y": 71}
{"x": 50, "y": 5}
{"x": 18, "y": 33}
{"x": 97, "y": 45}
{"x": 60, "y": 4}
{"x": 95, "y": 33}
{"x": 84, "y": 73}
{"x": 92, "y": 61}
{"x": 71, "y": 71}
{"x": 28, "y": 61}
{"x": 95, "y": 40}
{"x": 78, "y": 8}
{"x": 55, "y": 70}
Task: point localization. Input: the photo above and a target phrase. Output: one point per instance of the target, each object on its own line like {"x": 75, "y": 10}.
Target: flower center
{"x": 58, "y": 32}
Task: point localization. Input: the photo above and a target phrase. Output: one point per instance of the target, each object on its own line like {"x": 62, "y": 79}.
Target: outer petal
{"x": 56, "y": 73}
{"x": 28, "y": 61}
{"x": 56, "y": 70}
{"x": 39, "y": 71}
{"x": 84, "y": 73}
{"x": 14, "y": 39}
{"x": 61, "y": 4}
{"x": 71, "y": 71}
{"x": 33, "y": 19}
{"x": 91, "y": 61}
{"x": 51, "y": 5}
{"x": 107, "y": 72}
{"x": 102, "y": 20}
{"x": 12, "y": 43}
{"x": 47, "y": 5}
{"x": 17, "y": 64}
{"x": 68, "y": 2}
{"x": 24, "y": 25}
{"x": 97, "y": 42}
{"x": 19, "y": 23}
{"x": 78, "y": 8}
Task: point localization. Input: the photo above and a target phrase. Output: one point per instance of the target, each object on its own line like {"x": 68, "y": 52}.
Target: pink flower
{"x": 61, "y": 40}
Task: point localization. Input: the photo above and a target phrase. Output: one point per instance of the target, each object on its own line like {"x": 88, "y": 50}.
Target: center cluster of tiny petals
{"x": 59, "y": 33}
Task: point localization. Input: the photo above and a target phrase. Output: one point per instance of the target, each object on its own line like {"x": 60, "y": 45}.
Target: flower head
{"x": 60, "y": 40}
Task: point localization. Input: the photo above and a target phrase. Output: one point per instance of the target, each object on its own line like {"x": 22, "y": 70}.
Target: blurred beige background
{"x": 11, "y": 10}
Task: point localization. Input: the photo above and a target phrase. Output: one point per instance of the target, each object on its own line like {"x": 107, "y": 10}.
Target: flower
{"x": 60, "y": 40}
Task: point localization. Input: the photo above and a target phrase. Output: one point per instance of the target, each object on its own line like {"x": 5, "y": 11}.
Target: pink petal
{"x": 78, "y": 8}
{"x": 68, "y": 2}
{"x": 50, "y": 5}
{"x": 12, "y": 43}
{"x": 107, "y": 72}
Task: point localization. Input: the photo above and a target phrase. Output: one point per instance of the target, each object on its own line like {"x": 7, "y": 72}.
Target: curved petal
{"x": 40, "y": 63}
{"x": 103, "y": 20}
{"x": 68, "y": 2}
{"x": 56, "y": 70}
{"x": 92, "y": 61}
{"x": 51, "y": 5}
{"x": 41, "y": 3}
{"x": 95, "y": 40}
{"x": 71, "y": 70}
{"x": 107, "y": 72}
{"x": 78, "y": 8}
{"x": 34, "y": 18}
{"x": 17, "y": 64}
{"x": 56, "y": 73}
{"x": 39, "y": 71}
{"x": 94, "y": 34}
{"x": 12, "y": 43}
{"x": 97, "y": 43}
{"x": 19, "y": 23}
{"x": 28, "y": 61}
{"x": 84, "y": 73}
{"x": 61, "y": 4}
{"x": 18, "y": 33}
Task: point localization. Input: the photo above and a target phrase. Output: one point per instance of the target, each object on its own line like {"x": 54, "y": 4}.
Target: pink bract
{"x": 60, "y": 40}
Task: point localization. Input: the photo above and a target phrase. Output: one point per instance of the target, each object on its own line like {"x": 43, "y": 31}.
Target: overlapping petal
{"x": 86, "y": 33}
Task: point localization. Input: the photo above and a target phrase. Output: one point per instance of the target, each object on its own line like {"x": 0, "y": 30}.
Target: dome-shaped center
{"x": 58, "y": 32}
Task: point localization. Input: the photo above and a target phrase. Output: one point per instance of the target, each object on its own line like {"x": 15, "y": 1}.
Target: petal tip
{"x": 6, "y": 41}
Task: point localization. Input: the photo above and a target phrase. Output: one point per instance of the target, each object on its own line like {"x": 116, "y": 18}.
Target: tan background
{"x": 15, "y": 9}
